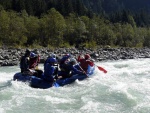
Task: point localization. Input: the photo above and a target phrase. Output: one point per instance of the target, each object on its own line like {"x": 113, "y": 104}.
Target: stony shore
{"x": 11, "y": 57}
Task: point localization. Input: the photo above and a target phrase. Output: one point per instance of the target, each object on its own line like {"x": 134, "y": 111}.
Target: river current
{"x": 124, "y": 89}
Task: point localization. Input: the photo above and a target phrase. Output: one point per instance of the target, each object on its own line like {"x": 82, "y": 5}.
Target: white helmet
{"x": 53, "y": 55}
{"x": 73, "y": 60}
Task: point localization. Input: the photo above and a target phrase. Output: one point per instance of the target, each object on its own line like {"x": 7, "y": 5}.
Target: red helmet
{"x": 87, "y": 56}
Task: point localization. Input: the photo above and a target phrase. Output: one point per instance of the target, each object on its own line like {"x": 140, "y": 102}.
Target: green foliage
{"x": 4, "y": 26}
{"x": 53, "y": 25}
{"x": 147, "y": 39}
{"x": 91, "y": 44}
{"x": 32, "y": 26}
{"x": 127, "y": 35}
{"x": 65, "y": 44}
{"x": 52, "y": 29}
{"x": 1, "y": 8}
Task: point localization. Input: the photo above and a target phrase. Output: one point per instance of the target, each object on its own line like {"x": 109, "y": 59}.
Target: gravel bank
{"x": 11, "y": 57}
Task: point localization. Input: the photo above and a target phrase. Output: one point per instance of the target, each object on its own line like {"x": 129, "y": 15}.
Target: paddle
{"x": 102, "y": 69}
{"x": 82, "y": 69}
{"x": 99, "y": 67}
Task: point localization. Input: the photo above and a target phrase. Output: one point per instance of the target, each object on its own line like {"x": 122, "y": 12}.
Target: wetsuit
{"x": 24, "y": 64}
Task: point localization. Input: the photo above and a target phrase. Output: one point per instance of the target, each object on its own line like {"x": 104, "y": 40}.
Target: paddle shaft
{"x": 83, "y": 70}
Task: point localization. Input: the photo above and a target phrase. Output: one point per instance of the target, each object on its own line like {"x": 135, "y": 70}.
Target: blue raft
{"x": 36, "y": 82}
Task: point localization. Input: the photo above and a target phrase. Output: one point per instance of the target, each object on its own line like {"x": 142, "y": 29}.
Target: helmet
{"x": 36, "y": 51}
{"x": 51, "y": 60}
{"x": 87, "y": 56}
{"x": 27, "y": 52}
{"x": 73, "y": 60}
{"x": 32, "y": 55}
{"x": 67, "y": 55}
{"x": 53, "y": 55}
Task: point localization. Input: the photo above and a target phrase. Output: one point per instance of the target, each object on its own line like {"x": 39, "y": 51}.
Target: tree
{"x": 146, "y": 42}
{"x": 127, "y": 35}
{"x": 17, "y": 30}
{"x": 53, "y": 27}
{"x": 4, "y": 26}
{"x": 32, "y": 26}
{"x": 139, "y": 37}
{"x": 12, "y": 28}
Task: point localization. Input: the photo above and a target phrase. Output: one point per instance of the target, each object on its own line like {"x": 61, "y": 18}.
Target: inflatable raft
{"x": 36, "y": 82}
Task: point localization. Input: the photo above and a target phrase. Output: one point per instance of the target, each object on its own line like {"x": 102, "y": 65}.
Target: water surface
{"x": 124, "y": 89}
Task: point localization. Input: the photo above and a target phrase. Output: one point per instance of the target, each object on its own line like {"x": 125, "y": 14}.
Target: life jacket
{"x": 63, "y": 64}
{"x": 65, "y": 70}
{"x": 65, "y": 67}
{"x": 48, "y": 72}
{"x": 24, "y": 63}
{"x": 33, "y": 62}
{"x": 85, "y": 63}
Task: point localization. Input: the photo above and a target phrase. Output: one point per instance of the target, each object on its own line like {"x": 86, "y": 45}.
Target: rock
{"x": 10, "y": 57}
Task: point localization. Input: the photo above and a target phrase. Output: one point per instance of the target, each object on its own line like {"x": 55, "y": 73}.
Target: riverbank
{"x": 11, "y": 57}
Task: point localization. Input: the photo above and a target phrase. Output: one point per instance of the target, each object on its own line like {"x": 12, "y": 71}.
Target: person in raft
{"x": 49, "y": 70}
{"x": 50, "y": 56}
{"x": 62, "y": 63}
{"x": 37, "y": 58}
{"x": 34, "y": 60}
{"x": 55, "y": 64}
{"x": 69, "y": 69}
{"x": 85, "y": 61}
{"x": 24, "y": 62}
{"x": 64, "y": 60}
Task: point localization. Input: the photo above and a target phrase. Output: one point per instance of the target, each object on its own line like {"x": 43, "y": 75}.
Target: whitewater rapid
{"x": 124, "y": 89}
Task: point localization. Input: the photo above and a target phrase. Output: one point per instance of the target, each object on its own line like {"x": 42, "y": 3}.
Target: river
{"x": 124, "y": 89}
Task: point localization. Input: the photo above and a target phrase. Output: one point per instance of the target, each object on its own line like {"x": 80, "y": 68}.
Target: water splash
{"x": 124, "y": 89}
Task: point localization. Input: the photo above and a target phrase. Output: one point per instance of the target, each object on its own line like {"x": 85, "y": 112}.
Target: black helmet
{"x": 27, "y": 52}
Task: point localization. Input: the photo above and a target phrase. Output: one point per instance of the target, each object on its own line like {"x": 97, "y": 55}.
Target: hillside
{"x": 109, "y": 6}
{"x": 36, "y": 7}
{"x": 87, "y": 23}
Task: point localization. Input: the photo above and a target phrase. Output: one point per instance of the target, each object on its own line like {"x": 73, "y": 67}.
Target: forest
{"x": 66, "y": 23}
